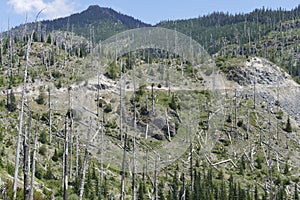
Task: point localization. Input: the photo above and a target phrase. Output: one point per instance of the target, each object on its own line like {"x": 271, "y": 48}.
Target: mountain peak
{"x": 93, "y": 7}
{"x": 104, "y": 21}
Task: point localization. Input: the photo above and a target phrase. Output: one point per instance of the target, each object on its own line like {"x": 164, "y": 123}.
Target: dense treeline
{"x": 215, "y": 29}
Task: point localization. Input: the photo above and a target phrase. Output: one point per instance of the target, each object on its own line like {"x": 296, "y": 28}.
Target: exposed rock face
{"x": 259, "y": 70}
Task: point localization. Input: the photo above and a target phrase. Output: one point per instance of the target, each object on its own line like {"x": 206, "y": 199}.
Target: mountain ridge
{"x": 103, "y": 22}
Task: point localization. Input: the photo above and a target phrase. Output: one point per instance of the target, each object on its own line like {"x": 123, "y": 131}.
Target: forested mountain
{"x": 219, "y": 29}
{"x": 96, "y": 21}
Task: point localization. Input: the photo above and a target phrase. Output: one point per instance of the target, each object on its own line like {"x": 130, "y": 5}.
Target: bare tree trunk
{"x": 33, "y": 166}
{"x": 254, "y": 92}
{"x": 269, "y": 155}
{"x": 77, "y": 156}
{"x": 1, "y": 49}
{"x": 147, "y": 159}
{"x": 17, "y": 159}
{"x": 65, "y": 166}
{"x": 121, "y": 134}
{"x": 248, "y": 125}
{"x": 26, "y": 157}
{"x": 71, "y": 133}
{"x": 98, "y": 93}
{"x": 191, "y": 158}
{"x": 168, "y": 127}
{"x": 50, "y": 116}
{"x": 231, "y": 115}
{"x": 236, "y": 109}
{"x": 101, "y": 150}
{"x": 134, "y": 141}
{"x": 152, "y": 97}
{"x": 155, "y": 180}
{"x": 85, "y": 162}
{"x": 249, "y": 40}
{"x": 123, "y": 168}
{"x": 147, "y": 106}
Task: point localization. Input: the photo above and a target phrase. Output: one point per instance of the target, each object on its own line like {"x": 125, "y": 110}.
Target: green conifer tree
{"x": 288, "y": 127}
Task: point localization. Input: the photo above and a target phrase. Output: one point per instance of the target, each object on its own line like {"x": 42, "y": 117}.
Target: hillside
{"x": 150, "y": 123}
{"x": 216, "y": 30}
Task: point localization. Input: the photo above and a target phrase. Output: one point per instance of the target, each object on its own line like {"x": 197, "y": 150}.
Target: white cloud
{"x": 52, "y": 9}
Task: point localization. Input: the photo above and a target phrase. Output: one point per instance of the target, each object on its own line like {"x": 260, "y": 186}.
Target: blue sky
{"x": 152, "y": 11}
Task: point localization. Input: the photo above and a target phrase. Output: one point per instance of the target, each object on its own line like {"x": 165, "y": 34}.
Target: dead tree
{"x": 17, "y": 159}
{"x": 236, "y": 109}
{"x": 33, "y": 166}
{"x": 101, "y": 150}
{"x": 155, "y": 180}
{"x": 65, "y": 164}
{"x": 1, "y": 49}
{"x": 191, "y": 157}
{"x": 121, "y": 134}
{"x": 152, "y": 97}
{"x": 248, "y": 125}
{"x": 134, "y": 140}
{"x": 168, "y": 127}
{"x": 147, "y": 159}
{"x": 77, "y": 157}
{"x": 231, "y": 114}
{"x": 269, "y": 154}
{"x": 85, "y": 162}
{"x": 71, "y": 132}
{"x": 124, "y": 168}
{"x": 49, "y": 115}
{"x": 254, "y": 91}
{"x": 26, "y": 156}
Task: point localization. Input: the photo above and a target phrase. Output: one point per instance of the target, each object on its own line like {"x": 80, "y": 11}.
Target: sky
{"x": 16, "y": 12}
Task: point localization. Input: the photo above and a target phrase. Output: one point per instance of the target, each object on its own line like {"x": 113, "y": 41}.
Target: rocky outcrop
{"x": 257, "y": 70}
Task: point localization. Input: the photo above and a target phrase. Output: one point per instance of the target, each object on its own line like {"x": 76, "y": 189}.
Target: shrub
{"x": 240, "y": 123}
{"x": 108, "y": 108}
{"x": 73, "y": 197}
{"x": 38, "y": 172}
{"x": 48, "y": 175}
{"x": 43, "y": 138}
{"x": 10, "y": 169}
{"x": 288, "y": 127}
{"x": 55, "y": 156}
{"x": 42, "y": 150}
{"x": 41, "y": 98}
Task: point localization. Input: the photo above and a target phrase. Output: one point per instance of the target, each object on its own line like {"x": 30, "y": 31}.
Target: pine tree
{"x": 55, "y": 156}
{"x": 49, "y": 39}
{"x": 255, "y": 193}
{"x": 141, "y": 191}
{"x": 173, "y": 104}
{"x": 223, "y": 193}
{"x": 161, "y": 195}
{"x": 182, "y": 188}
{"x": 175, "y": 186}
{"x": 11, "y": 102}
{"x": 286, "y": 168}
{"x": 35, "y": 37}
{"x": 105, "y": 188}
{"x": 288, "y": 127}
